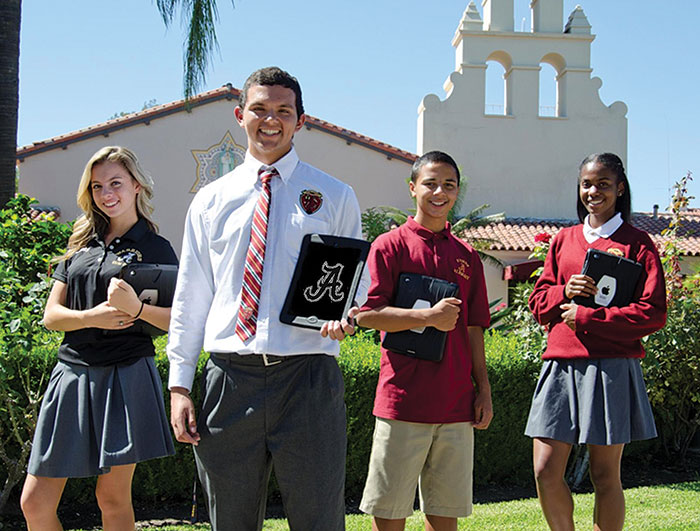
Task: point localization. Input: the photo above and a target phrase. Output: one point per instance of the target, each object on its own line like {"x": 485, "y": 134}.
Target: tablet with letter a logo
{"x": 325, "y": 280}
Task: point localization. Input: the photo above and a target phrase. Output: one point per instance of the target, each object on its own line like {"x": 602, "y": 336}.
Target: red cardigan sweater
{"x": 600, "y": 332}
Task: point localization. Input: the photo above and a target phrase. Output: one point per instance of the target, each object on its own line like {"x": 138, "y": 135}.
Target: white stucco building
{"x": 532, "y": 157}
{"x": 520, "y": 160}
{"x": 184, "y": 148}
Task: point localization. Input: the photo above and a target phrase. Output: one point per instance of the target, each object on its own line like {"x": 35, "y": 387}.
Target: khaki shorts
{"x": 437, "y": 458}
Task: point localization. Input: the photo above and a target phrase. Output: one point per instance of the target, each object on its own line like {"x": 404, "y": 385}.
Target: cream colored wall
{"x": 521, "y": 163}
{"x": 164, "y": 149}
{"x": 496, "y": 287}
{"x": 690, "y": 265}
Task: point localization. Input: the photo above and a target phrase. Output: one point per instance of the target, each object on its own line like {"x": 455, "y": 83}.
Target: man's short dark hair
{"x": 269, "y": 76}
{"x": 433, "y": 157}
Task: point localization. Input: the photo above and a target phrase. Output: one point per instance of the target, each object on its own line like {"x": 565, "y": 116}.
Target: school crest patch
{"x": 310, "y": 200}
{"x": 616, "y": 252}
{"x": 127, "y": 256}
{"x": 461, "y": 269}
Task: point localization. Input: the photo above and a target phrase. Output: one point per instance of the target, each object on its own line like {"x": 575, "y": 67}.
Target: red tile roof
{"x": 518, "y": 234}
{"x": 226, "y": 92}
{"x": 49, "y": 212}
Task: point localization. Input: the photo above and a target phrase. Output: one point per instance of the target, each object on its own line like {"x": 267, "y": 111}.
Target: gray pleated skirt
{"x": 591, "y": 401}
{"x": 93, "y": 418}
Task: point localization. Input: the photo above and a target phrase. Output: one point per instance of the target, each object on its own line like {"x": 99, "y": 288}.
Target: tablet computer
{"x": 154, "y": 284}
{"x": 615, "y": 276}
{"x": 325, "y": 280}
{"x": 420, "y": 291}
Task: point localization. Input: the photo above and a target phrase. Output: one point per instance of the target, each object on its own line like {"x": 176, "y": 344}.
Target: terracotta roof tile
{"x": 518, "y": 234}
{"x": 49, "y": 212}
{"x": 225, "y": 92}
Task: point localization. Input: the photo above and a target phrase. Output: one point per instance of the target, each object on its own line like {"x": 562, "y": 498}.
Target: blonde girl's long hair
{"x": 93, "y": 222}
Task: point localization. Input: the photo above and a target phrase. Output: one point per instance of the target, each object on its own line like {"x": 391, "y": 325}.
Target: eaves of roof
{"x": 518, "y": 234}
{"x": 226, "y": 92}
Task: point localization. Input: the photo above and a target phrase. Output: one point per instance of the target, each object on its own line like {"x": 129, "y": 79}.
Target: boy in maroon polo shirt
{"x": 426, "y": 410}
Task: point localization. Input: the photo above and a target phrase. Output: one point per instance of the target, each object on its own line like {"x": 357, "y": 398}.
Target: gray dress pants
{"x": 290, "y": 415}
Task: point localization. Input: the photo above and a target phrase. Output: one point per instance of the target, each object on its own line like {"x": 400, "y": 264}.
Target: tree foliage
{"x": 27, "y": 245}
{"x": 200, "y": 18}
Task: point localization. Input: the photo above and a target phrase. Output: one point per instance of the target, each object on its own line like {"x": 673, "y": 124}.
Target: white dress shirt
{"x": 215, "y": 243}
{"x": 606, "y": 230}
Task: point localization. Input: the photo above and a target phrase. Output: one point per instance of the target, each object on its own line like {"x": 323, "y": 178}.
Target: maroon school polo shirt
{"x": 419, "y": 390}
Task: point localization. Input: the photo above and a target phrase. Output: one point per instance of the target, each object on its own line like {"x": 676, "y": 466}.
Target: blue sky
{"x": 362, "y": 65}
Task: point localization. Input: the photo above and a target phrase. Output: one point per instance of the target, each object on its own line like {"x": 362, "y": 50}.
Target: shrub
{"x": 359, "y": 362}
{"x": 502, "y": 453}
{"x": 672, "y": 363}
{"x": 27, "y": 246}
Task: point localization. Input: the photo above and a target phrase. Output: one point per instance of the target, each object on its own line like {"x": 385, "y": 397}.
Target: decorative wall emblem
{"x": 329, "y": 284}
{"x": 310, "y": 200}
{"x": 216, "y": 161}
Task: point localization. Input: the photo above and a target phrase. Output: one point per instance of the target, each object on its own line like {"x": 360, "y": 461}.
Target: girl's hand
{"x": 580, "y": 286}
{"x": 122, "y": 296}
{"x": 569, "y": 314}
{"x": 108, "y": 317}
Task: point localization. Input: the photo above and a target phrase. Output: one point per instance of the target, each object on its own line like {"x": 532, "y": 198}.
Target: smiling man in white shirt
{"x": 273, "y": 393}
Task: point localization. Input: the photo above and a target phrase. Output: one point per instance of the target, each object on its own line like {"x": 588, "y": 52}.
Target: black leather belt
{"x": 257, "y": 359}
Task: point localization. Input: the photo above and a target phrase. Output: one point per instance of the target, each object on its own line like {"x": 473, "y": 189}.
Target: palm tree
{"x": 201, "y": 17}
{"x": 9, "y": 95}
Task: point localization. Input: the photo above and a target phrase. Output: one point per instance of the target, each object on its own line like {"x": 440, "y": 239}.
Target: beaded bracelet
{"x": 140, "y": 310}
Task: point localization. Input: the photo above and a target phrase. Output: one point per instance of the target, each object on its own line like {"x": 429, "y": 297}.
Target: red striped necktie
{"x": 247, "y": 322}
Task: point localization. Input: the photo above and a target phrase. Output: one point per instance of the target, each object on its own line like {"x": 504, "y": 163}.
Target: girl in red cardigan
{"x": 591, "y": 389}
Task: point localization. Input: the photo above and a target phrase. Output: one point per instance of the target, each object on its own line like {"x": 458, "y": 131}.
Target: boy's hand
{"x": 337, "y": 330}
{"x": 182, "y": 416}
{"x": 445, "y": 313}
{"x": 483, "y": 410}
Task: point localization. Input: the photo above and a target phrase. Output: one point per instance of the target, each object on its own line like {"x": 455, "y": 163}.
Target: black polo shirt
{"x": 87, "y": 274}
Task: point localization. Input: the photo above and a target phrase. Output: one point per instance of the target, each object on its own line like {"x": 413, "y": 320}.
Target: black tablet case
{"x": 615, "y": 276}
{"x": 429, "y": 344}
{"x": 325, "y": 280}
{"x": 154, "y": 284}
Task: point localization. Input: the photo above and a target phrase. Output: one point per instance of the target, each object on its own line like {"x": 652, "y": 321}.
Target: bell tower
{"x": 519, "y": 159}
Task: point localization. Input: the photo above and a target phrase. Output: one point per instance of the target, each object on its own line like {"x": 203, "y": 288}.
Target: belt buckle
{"x": 268, "y": 363}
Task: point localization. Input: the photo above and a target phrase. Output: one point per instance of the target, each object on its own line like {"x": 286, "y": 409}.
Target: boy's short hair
{"x": 433, "y": 157}
{"x": 268, "y": 76}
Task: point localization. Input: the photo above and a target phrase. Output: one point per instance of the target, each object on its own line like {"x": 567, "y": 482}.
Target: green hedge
{"x": 502, "y": 452}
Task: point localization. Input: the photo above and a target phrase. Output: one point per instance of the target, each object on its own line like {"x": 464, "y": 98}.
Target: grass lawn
{"x": 667, "y": 507}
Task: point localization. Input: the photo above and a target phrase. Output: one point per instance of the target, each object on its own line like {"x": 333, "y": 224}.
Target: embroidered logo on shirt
{"x": 616, "y": 252}
{"x": 461, "y": 269}
{"x": 126, "y": 256}
{"x": 329, "y": 283}
{"x": 310, "y": 200}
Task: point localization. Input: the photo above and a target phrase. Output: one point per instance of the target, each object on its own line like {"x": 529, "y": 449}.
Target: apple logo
{"x": 607, "y": 286}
